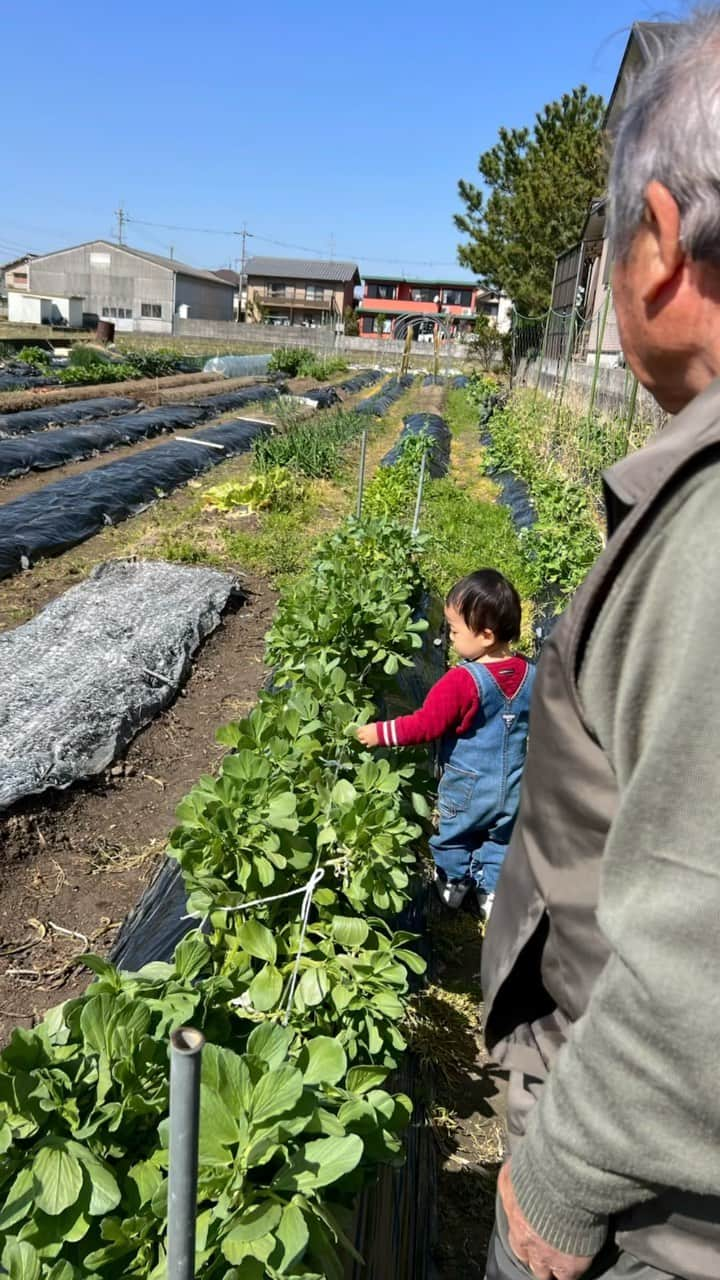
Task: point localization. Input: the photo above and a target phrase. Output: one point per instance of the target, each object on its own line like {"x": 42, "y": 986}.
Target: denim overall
{"x": 480, "y": 785}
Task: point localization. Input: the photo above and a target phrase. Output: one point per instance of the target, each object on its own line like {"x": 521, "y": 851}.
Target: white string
{"x": 314, "y": 880}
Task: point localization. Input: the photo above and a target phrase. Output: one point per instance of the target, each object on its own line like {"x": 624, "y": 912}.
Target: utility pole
{"x": 243, "y": 258}
{"x": 172, "y": 251}
{"x": 332, "y": 248}
{"x": 122, "y": 218}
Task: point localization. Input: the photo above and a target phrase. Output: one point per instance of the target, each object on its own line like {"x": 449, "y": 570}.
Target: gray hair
{"x": 670, "y": 132}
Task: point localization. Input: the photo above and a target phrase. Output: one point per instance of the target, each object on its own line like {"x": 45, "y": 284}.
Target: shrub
{"x": 299, "y": 362}
{"x": 84, "y": 357}
{"x": 35, "y": 356}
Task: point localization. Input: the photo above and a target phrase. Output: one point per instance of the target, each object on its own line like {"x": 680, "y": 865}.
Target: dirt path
{"x": 468, "y": 1107}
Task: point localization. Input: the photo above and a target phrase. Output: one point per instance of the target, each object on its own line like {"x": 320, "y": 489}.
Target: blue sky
{"x": 338, "y": 128}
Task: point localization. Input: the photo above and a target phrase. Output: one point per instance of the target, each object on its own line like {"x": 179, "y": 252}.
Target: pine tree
{"x": 540, "y": 185}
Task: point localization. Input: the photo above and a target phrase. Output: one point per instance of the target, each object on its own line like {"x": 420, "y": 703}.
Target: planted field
{"x": 279, "y": 926}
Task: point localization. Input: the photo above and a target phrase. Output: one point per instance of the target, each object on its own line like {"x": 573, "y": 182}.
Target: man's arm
{"x": 631, "y": 1105}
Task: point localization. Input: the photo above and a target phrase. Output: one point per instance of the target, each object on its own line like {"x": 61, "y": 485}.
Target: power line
{"x": 285, "y": 244}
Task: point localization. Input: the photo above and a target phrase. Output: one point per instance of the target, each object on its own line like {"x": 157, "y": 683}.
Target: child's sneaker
{"x": 485, "y": 903}
{"x": 452, "y": 893}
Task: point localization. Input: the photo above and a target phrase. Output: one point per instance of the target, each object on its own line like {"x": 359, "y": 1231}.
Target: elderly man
{"x": 601, "y": 969}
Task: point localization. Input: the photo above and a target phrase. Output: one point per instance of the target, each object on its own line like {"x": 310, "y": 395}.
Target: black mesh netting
{"x": 15, "y": 375}
{"x": 26, "y": 420}
{"x": 68, "y": 511}
{"x": 379, "y": 404}
{"x": 96, "y": 665}
{"x": 429, "y": 424}
{"x": 44, "y": 449}
{"x": 324, "y": 397}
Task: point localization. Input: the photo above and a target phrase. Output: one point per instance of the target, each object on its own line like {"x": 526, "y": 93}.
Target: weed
{"x": 299, "y": 362}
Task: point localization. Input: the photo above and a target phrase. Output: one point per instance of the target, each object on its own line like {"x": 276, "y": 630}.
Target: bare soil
{"x": 75, "y": 862}
{"x": 469, "y": 1105}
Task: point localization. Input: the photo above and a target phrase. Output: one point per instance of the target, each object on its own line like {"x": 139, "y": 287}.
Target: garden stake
{"x": 631, "y": 411}
{"x": 543, "y": 351}
{"x": 361, "y": 476}
{"x": 186, "y": 1046}
{"x": 421, "y": 482}
{"x": 598, "y": 349}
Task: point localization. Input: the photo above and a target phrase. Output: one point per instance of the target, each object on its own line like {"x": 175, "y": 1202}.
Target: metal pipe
{"x": 543, "y": 351}
{"x": 361, "y": 476}
{"x": 421, "y": 482}
{"x": 598, "y": 350}
{"x": 186, "y": 1046}
{"x": 631, "y": 412}
{"x": 571, "y": 332}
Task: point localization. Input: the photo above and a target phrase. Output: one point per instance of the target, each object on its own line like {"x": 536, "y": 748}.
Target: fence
{"x": 322, "y": 339}
{"x": 577, "y": 361}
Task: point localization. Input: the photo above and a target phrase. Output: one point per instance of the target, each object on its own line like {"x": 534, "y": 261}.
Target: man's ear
{"x": 663, "y": 251}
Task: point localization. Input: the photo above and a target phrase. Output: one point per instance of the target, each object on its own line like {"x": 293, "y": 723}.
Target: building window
{"x": 314, "y": 293}
{"x": 423, "y": 295}
{"x": 124, "y": 313}
{"x": 388, "y": 291}
{"x": 368, "y": 324}
{"x": 152, "y": 310}
{"x": 457, "y": 297}
{"x": 19, "y": 277}
{"x": 488, "y": 309}
{"x": 277, "y": 289}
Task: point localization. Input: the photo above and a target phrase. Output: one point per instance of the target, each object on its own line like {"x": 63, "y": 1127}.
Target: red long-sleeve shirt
{"x": 451, "y": 705}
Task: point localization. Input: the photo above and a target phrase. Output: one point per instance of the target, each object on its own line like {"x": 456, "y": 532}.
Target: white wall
{"x": 23, "y": 309}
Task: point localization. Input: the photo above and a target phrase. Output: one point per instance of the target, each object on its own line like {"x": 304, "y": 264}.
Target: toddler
{"x": 479, "y": 711}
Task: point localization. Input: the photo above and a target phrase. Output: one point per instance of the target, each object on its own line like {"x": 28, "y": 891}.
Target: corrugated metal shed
{"x": 170, "y": 264}
{"x": 303, "y": 269}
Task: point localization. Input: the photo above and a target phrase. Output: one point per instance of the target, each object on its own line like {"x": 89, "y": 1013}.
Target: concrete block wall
{"x": 322, "y": 340}
{"x": 612, "y": 394}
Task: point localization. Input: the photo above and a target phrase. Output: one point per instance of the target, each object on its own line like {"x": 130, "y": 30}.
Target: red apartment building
{"x": 456, "y": 302}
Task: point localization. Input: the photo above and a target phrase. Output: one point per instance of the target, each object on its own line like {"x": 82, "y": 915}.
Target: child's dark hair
{"x": 486, "y": 599}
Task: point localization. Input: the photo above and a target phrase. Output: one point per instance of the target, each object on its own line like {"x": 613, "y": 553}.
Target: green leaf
{"x": 275, "y": 1094}
{"x": 191, "y": 956}
{"x": 147, "y": 1178}
{"x": 19, "y": 1200}
{"x": 62, "y": 1271}
{"x": 21, "y": 1261}
{"x": 349, "y": 931}
{"x": 362, "y": 1079}
{"x": 266, "y": 988}
{"x": 281, "y": 812}
{"x": 322, "y": 1061}
{"x": 259, "y": 1220}
{"x": 271, "y": 1043}
{"x": 104, "y": 1190}
{"x": 313, "y": 986}
{"x": 292, "y": 1236}
{"x": 257, "y": 941}
{"x": 412, "y": 960}
{"x": 236, "y": 1250}
{"x": 420, "y": 805}
{"x": 344, "y": 794}
{"x": 59, "y": 1178}
{"x": 218, "y": 1123}
{"x": 320, "y": 1163}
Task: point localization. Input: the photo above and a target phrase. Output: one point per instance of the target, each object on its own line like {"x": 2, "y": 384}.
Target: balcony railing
{"x": 295, "y": 297}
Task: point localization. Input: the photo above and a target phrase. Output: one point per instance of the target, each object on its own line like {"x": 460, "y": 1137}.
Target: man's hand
{"x": 368, "y": 735}
{"x": 544, "y": 1262}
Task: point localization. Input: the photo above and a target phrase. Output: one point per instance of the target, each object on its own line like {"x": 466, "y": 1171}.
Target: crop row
{"x": 303, "y": 1019}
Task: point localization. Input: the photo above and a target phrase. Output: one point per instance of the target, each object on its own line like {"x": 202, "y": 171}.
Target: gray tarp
{"x": 96, "y": 665}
